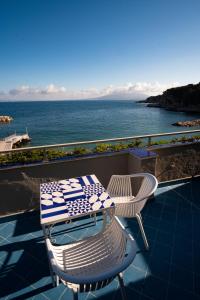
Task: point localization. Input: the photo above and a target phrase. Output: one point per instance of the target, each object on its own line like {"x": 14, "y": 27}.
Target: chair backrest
{"x": 120, "y": 185}
{"x": 147, "y": 188}
{"x": 73, "y": 264}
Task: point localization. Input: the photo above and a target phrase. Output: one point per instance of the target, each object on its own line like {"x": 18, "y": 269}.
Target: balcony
{"x": 169, "y": 270}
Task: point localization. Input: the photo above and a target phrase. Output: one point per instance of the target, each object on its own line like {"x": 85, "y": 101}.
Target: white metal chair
{"x": 128, "y": 205}
{"x": 93, "y": 262}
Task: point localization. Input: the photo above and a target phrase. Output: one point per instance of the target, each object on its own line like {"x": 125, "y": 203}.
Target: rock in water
{"x": 5, "y": 119}
{"x": 188, "y": 123}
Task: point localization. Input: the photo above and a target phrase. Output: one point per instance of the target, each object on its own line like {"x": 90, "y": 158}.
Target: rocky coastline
{"x": 183, "y": 99}
{"x": 187, "y": 123}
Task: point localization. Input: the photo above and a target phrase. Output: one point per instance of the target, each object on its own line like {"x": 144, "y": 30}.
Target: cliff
{"x": 184, "y": 98}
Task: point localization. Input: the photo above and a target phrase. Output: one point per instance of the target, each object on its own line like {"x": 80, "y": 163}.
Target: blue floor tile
{"x": 155, "y": 288}
{"x": 134, "y": 278}
{"x": 183, "y": 259}
{"x": 159, "y": 269}
{"x": 169, "y": 270}
{"x": 140, "y": 262}
{"x": 182, "y": 278}
{"x": 197, "y": 284}
{"x": 178, "y": 293}
{"x": 165, "y": 238}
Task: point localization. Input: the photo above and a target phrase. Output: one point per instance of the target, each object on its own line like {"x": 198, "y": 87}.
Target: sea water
{"x": 51, "y": 122}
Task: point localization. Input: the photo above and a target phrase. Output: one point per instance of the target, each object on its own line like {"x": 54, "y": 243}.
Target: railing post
{"x": 149, "y": 141}
{"x": 45, "y": 159}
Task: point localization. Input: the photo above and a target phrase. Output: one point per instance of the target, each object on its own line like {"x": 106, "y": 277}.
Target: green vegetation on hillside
{"x": 183, "y": 98}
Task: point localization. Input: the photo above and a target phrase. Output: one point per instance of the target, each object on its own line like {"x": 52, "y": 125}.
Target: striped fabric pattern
{"x": 65, "y": 199}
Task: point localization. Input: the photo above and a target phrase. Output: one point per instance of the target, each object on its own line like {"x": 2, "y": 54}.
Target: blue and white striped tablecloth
{"x": 69, "y": 198}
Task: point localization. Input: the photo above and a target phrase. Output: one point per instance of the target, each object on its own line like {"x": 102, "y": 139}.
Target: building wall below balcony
{"x": 177, "y": 161}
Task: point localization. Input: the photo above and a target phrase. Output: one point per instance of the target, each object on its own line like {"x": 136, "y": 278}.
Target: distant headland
{"x": 183, "y": 99}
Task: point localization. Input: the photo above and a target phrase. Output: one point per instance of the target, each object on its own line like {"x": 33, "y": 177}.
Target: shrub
{"x": 196, "y": 137}
{"x": 80, "y": 151}
{"x": 30, "y": 156}
{"x": 102, "y": 148}
{"x": 24, "y": 157}
{"x": 183, "y": 139}
{"x": 175, "y": 140}
{"x": 160, "y": 142}
{"x": 119, "y": 147}
{"x": 54, "y": 154}
{"x": 135, "y": 143}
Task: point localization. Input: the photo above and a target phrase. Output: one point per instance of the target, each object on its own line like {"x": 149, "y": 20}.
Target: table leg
{"x": 104, "y": 215}
{"x": 95, "y": 219}
{"x": 68, "y": 221}
{"x": 46, "y": 231}
{"x": 108, "y": 213}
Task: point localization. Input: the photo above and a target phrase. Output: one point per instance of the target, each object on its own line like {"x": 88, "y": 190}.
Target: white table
{"x": 72, "y": 198}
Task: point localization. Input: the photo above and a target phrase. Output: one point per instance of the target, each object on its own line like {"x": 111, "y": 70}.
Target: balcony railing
{"x": 149, "y": 137}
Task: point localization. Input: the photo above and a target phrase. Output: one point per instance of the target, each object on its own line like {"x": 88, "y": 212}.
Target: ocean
{"x": 51, "y": 122}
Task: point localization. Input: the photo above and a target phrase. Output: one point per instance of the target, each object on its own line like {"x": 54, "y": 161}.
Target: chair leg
{"x": 57, "y": 280}
{"x": 75, "y": 294}
{"x": 139, "y": 219}
{"x": 104, "y": 215}
{"x": 122, "y": 287}
{"x": 52, "y": 278}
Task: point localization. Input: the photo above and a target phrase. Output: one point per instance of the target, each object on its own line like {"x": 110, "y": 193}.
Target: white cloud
{"x": 136, "y": 91}
{"x": 2, "y": 94}
{"x": 53, "y": 89}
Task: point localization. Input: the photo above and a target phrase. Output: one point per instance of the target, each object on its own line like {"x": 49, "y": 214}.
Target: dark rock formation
{"x": 188, "y": 123}
{"x": 184, "y": 98}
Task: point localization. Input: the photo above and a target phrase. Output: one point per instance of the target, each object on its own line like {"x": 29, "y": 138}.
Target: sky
{"x": 78, "y": 49}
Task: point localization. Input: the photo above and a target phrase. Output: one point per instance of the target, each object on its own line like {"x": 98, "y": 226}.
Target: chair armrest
{"x": 142, "y": 175}
{"x": 135, "y": 200}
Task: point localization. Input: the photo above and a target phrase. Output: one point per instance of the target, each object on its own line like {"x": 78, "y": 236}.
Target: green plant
{"x": 183, "y": 139}
{"x": 175, "y": 140}
{"x": 102, "y": 148}
{"x": 191, "y": 139}
{"x": 53, "y": 154}
{"x": 196, "y": 137}
{"x": 160, "y": 142}
{"x": 138, "y": 142}
{"x": 80, "y": 151}
{"x": 29, "y": 156}
{"x": 3, "y": 158}
{"x": 135, "y": 143}
{"x": 119, "y": 147}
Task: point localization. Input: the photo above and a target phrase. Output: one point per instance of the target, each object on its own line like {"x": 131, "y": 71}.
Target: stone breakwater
{"x": 188, "y": 123}
{"x": 5, "y": 119}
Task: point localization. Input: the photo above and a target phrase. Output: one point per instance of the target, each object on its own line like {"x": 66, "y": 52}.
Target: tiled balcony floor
{"x": 169, "y": 270}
